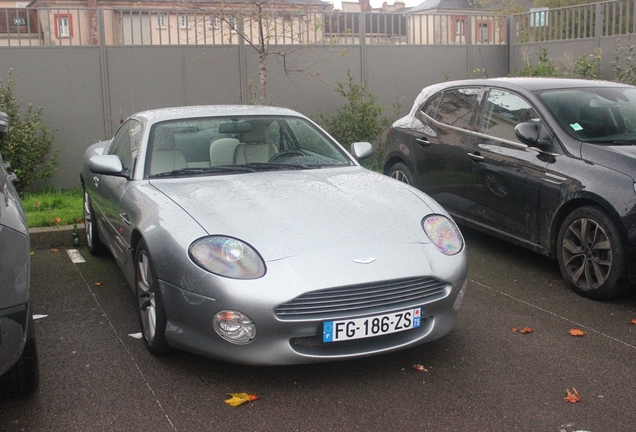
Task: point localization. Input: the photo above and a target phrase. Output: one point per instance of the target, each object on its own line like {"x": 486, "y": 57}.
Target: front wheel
{"x": 93, "y": 242}
{"x": 24, "y": 377}
{"x": 152, "y": 315}
{"x": 591, "y": 254}
{"x": 402, "y": 173}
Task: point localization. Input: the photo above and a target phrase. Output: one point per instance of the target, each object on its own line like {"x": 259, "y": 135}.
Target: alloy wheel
{"x": 587, "y": 253}
{"x": 146, "y": 297}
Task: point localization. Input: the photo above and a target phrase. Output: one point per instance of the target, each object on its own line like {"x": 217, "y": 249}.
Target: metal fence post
{"x": 103, "y": 68}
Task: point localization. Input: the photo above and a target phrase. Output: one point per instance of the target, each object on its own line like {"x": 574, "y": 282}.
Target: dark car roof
{"x": 538, "y": 83}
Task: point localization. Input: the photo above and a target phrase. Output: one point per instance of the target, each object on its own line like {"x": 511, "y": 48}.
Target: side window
{"x": 502, "y": 112}
{"x": 126, "y": 142}
{"x": 430, "y": 109}
{"x": 454, "y": 107}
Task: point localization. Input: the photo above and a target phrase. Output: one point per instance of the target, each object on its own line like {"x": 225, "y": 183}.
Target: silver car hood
{"x": 291, "y": 213}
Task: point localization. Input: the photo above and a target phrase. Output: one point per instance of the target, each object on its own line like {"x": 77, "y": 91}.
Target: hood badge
{"x": 364, "y": 260}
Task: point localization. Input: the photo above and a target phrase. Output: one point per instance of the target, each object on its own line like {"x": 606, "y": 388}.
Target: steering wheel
{"x": 286, "y": 153}
{"x": 631, "y": 128}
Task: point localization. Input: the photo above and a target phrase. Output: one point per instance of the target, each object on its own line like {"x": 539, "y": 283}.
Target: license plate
{"x": 334, "y": 331}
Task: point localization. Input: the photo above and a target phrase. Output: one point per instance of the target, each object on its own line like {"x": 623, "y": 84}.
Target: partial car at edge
{"x": 546, "y": 163}
{"x": 249, "y": 235}
{"x": 19, "y": 373}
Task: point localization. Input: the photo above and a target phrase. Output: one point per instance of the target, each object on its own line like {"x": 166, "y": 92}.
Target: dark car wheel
{"x": 152, "y": 315}
{"x": 591, "y": 254}
{"x": 93, "y": 242}
{"x": 24, "y": 377}
{"x": 402, "y": 173}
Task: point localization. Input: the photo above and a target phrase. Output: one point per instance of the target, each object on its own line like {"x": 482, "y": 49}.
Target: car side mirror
{"x": 106, "y": 164}
{"x": 532, "y": 134}
{"x": 4, "y": 124}
{"x": 361, "y": 150}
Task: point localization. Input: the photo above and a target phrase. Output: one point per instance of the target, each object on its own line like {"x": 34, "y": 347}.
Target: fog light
{"x": 234, "y": 327}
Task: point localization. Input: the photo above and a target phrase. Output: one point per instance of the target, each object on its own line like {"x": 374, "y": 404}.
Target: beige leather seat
{"x": 222, "y": 151}
{"x": 165, "y": 157}
{"x": 254, "y": 146}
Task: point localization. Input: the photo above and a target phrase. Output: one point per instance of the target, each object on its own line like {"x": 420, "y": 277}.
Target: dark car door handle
{"x": 423, "y": 142}
{"x": 96, "y": 181}
{"x": 476, "y": 157}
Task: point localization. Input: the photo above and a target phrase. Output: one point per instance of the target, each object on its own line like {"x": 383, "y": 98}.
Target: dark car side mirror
{"x": 532, "y": 134}
{"x": 4, "y": 124}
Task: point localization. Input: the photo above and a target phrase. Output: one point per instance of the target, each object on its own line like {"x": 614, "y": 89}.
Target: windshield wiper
{"x": 272, "y": 166}
{"x": 204, "y": 170}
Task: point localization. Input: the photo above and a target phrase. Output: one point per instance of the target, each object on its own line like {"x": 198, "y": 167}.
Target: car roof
{"x": 173, "y": 113}
{"x": 537, "y": 83}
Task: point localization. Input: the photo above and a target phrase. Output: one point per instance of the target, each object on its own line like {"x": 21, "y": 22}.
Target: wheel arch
{"x": 392, "y": 160}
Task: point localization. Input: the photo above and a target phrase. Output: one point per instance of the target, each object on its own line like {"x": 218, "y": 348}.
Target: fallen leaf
{"x": 57, "y": 220}
{"x": 240, "y": 398}
{"x": 526, "y": 330}
{"x": 37, "y": 204}
{"x": 99, "y": 283}
{"x": 419, "y": 368}
{"x": 32, "y": 253}
{"x": 634, "y": 321}
{"x": 55, "y": 250}
{"x": 572, "y": 397}
{"x": 577, "y": 332}
{"x": 515, "y": 329}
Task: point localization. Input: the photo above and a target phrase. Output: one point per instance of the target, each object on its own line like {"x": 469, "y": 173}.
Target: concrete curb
{"x": 55, "y": 237}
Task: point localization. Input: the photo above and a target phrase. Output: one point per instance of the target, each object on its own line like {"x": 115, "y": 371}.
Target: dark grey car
{"x": 18, "y": 356}
{"x": 548, "y": 164}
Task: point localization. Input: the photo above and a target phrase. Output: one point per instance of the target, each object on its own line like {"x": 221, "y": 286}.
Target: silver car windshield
{"x": 224, "y": 145}
{"x": 595, "y": 115}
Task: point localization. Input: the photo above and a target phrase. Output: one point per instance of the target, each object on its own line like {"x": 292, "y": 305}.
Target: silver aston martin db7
{"x": 248, "y": 234}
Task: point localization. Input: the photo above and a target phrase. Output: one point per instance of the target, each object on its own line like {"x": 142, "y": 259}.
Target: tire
{"x": 93, "y": 242}
{"x": 402, "y": 173}
{"x": 152, "y": 315}
{"x": 23, "y": 378}
{"x": 591, "y": 254}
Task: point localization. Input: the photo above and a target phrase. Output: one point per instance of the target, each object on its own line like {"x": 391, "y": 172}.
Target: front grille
{"x": 358, "y": 298}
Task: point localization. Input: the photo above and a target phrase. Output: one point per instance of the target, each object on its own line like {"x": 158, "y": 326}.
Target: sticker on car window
{"x": 577, "y": 127}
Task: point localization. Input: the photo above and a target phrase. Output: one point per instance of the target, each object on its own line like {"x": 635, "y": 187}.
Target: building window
{"x": 233, "y": 23}
{"x": 184, "y": 21}
{"x": 64, "y": 26}
{"x": 162, "y": 21}
{"x": 213, "y": 22}
{"x": 21, "y": 22}
{"x": 459, "y": 27}
{"x": 484, "y": 32}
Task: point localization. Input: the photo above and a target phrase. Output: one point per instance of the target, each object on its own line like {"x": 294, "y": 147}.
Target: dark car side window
{"x": 503, "y": 111}
{"x": 454, "y": 107}
{"x": 126, "y": 142}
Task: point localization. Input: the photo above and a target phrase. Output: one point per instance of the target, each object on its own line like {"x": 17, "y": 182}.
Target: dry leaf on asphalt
{"x": 577, "y": 332}
{"x": 55, "y": 250}
{"x": 572, "y": 397}
{"x": 634, "y": 321}
{"x": 99, "y": 283}
{"x": 240, "y": 398}
{"x": 526, "y": 330}
{"x": 419, "y": 368}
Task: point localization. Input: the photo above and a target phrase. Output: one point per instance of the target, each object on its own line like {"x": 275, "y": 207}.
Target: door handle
{"x": 96, "y": 181}
{"x": 423, "y": 142}
{"x": 124, "y": 218}
{"x": 476, "y": 157}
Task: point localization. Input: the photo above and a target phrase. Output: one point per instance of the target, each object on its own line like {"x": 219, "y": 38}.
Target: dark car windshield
{"x": 604, "y": 115}
{"x": 222, "y": 145}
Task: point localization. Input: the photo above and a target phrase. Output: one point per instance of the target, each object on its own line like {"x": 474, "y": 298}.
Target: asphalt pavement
{"x": 97, "y": 376}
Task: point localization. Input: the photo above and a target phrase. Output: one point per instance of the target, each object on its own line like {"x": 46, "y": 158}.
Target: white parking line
{"x": 75, "y": 256}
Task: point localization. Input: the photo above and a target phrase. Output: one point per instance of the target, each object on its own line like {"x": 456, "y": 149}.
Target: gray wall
{"x": 87, "y": 91}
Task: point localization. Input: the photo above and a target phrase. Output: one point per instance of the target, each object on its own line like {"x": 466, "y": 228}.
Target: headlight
{"x": 234, "y": 326}
{"x": 229, "y": 257}
{"x": 443, "y": 233}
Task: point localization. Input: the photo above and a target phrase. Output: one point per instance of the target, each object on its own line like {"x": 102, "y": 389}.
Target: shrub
{"x": 28, "y": 142}
{"x": 624, "y": 62}
{"x": 359, "y": 120}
